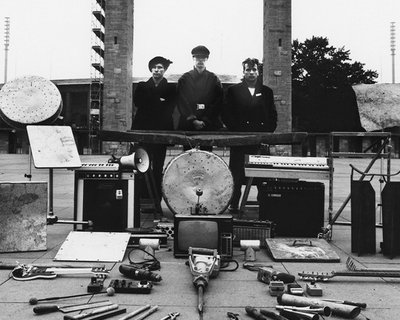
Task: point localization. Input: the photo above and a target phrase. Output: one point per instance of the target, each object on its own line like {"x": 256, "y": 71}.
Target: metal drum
{"x": 29, "y": 100}
{"x": 197, "y": 181}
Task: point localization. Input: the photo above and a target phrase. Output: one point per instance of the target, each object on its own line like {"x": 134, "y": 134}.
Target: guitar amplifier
{"x": 106, "y": 197}
{"x": 296, "y": 208}
{"x": 252, "y": 230}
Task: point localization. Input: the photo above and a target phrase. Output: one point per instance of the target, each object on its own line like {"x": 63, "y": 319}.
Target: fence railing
{"x": 351, "y": 143}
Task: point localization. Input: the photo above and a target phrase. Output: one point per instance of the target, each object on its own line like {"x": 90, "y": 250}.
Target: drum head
{"x": 197, "y": 179}
{"x": 29, "y": 100}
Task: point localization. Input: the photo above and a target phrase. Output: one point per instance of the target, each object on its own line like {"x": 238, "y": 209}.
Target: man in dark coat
{"x": 249, "y": 107}
{"x": 155, "y": 100}
{"x": 200, "y": 96}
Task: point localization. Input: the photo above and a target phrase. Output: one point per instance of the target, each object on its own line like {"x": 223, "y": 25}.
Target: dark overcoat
{"x": 154, "y": 105}
{"x": 245, "y": 112}
{"x": 204, "y": 89}
{"x": 249, "y": 113}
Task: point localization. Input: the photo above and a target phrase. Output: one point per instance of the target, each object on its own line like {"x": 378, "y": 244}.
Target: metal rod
{"x": 136, "y": 312}
{"x": 51, "y": 212}
{"x": 6, "y": 44}
{"x": 377, "y": 155}
{"x": 88, "y": 223}
{"x": 200, "y": 305}
{"x": 393, "y": 48}
{"x": 149, "y": 312}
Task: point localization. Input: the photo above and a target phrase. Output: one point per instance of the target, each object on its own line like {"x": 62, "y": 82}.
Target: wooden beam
{"x": 211, "y": 138}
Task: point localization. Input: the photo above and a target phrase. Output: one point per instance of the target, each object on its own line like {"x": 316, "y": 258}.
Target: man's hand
{"x": 198, "y": 124}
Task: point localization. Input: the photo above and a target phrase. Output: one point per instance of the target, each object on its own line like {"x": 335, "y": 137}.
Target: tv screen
{"x": 197, "y": 234}
{"x": 203, "y": 231}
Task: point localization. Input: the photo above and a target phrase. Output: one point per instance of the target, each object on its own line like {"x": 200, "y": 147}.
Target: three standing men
{"x": 249, "y": 107}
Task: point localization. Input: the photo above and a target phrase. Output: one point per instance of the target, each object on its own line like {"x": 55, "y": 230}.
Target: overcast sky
{"x": 52, "y": 38}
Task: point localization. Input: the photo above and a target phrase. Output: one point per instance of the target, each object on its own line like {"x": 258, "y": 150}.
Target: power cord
{"x": 225, "y": 264}
{"x": 151, "y": 265}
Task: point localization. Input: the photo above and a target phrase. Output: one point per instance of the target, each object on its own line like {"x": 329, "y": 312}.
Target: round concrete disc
{"x": 29, "y": 100}
{"x": 199, "y": 182}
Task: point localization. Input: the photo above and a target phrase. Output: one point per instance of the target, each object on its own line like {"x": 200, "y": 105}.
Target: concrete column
{"x": 277, "y": 58}
{"x": 116, "y": 113}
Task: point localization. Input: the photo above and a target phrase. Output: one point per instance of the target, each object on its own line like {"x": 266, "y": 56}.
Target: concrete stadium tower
{"x": 277, "y": 58}
{"x": 118, "y": 59}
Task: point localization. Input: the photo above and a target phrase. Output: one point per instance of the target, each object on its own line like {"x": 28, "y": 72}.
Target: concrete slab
{"x": 230, "y": 291}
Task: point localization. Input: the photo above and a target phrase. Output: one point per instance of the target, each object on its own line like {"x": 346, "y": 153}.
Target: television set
{"x": 203, "y": 231}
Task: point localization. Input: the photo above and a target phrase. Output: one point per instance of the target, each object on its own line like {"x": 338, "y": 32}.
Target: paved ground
{"x": 230, "y": 291}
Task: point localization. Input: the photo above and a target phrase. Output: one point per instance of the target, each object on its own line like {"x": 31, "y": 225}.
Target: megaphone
{"x": 138, "y": 160}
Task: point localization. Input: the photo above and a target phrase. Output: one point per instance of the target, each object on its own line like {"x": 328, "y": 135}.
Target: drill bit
{"x": 200, "y": 305}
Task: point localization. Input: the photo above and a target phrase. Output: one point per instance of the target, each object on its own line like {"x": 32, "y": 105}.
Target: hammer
{"x": 250, "y": 247}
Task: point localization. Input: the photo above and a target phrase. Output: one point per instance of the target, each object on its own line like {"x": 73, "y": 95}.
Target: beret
{"x": 200, "y": 51}
{"x": 156, "y": 60}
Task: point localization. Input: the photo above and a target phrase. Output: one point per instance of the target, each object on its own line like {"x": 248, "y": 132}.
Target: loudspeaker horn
{"x": 138, "y": 160}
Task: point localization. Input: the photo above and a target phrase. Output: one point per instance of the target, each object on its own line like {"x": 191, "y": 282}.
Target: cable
{"x": 225, "y": 264}
{"x": 188, "y": 141}
{"x": 153, "y": 264}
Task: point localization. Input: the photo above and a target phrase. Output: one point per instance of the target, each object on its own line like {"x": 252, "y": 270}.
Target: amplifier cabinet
{"x": 363, "y": 233}
{"x": 391, "y": 219}
{"x": 297, "y": 208}
{"x": 107, "y": 198}
{"x": 252, "y": 230}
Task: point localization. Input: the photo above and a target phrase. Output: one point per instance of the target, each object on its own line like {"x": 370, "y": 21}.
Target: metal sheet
{"x": 301, "y": 250}
{"x": 93, "y": 246}
{"x": 53, "y": 147}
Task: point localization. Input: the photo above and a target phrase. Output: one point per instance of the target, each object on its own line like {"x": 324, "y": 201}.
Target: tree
{"x": 333, "y": 65}
{"x": 322, "y": 97}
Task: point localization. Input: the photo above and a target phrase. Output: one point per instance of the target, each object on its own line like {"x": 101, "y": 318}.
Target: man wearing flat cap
{"x": 155, "y": 100}
{"x": 199, "y": 96}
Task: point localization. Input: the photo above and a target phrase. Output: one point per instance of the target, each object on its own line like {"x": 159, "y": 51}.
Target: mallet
{"x": 110, "y": 292}
{"x": 250, "y": 247}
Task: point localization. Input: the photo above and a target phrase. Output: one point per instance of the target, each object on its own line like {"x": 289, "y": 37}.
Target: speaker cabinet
{"x": 391, "y": 219}
{"x": 363, "y": 234}
{"x": 108, "y": 199}
{"x": 297, "y": 208}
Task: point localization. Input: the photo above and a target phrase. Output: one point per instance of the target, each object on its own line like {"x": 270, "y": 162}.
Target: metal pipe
{"x": 6, "y": 44}
{"x": 342, "y": 310}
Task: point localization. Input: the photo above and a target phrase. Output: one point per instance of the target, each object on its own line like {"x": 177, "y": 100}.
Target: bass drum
{"x": 29, "y": 100}
{"x": 197, "y": 181}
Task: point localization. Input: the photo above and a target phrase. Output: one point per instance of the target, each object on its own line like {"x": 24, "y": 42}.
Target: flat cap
{"x": 158, "y": 59}
{"x": 200, "y": 51}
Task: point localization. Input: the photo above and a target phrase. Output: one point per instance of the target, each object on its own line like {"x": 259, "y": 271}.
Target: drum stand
{"x": 51, "y": 218}
{"x": 29, "y": 175}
